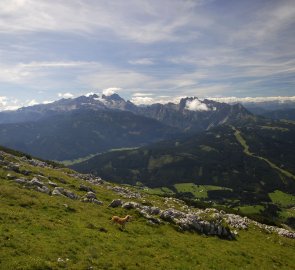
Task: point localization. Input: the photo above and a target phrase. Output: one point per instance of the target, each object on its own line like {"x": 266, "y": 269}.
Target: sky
{"x": 145, "y": 50}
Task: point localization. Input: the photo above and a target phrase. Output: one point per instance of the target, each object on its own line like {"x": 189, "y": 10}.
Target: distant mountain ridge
{"x": 79, "y": 133}
{"x": 190, "y": 114}
{"x": 74, "y": 128}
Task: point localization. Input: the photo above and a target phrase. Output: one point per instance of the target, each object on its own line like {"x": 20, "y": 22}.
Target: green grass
{"x": 288, "y": 213}
{"x": 37, "y": 229}
{"x": 281, "y": 198}
{"x": 251, "y": 209}
{"x": 78, "y": 160}
{"x": 159, "y": 191}
{"x": 199, "y": 191}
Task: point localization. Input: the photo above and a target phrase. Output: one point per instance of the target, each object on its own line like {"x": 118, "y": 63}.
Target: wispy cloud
{"x": 65, "y": 95}
{"x": 162, "y": 48}
{"x": 143, "y": 21}
{"x": 253, "y": 99}
{"x": 22, "y": 72}
{"x": 142, "y": 61}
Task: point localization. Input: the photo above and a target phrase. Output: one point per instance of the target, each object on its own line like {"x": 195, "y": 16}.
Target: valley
{"x": 42, "y": 228}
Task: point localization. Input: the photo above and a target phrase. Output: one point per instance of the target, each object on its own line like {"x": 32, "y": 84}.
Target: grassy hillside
{"x": 41, "y": 231}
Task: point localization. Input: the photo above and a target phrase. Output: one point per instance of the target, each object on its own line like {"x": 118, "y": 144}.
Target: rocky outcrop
{"x": 237, "y": 221}
{"x": 195, "y": 222}
{"x": 35, "y": 183}
{"x": 60, "y": 191}
{"x": 274, "y": 229}
{"x": 90, "y": 197}
{"x": 52, "y": 184}
{"x": 125, "y": 192}
{"x": 86, "y": 188}
{"x": 94, "y": 180}
{"x": 131, "y": 205}
{"x": 116, "y": 203}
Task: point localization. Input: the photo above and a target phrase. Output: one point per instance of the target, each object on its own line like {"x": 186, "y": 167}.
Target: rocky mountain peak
{"x": 113, "y": 97}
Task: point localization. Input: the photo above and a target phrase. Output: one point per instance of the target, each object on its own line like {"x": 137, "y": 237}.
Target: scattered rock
{"x": 97, "y": 201}
{"x": 60, "y": 191}
{"x": 10, "y": 176}
{"x": 116, "y": 203}
{"x": 130, "y": 205}
{"x": 38, "y": 163}
{"x": 125, "y": 192}
{"x": 151, "y": 210}
{"x": 20, "y": 181}
{"x": 151, "y": 220}
{"x": 279, "y": 231}
{"x": 25, "y": 172}
{"x": 36, "y": 182}
{"x": 14, "y": 167}
{"x": 90, "y": 197}
{"x": 60, "y": 260}
{"x": 86, "y": 188}
{"x": 44, "y": 189}
{"x": 52, "y": 184}
{"x": 170, "y": 214}
{"x": 237, "y": 221}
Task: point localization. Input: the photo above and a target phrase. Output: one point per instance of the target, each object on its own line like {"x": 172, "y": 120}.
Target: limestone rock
{"x": 86, "y": 188}
{"x": 130, "y": 205}
{"x": 60, "y": 191}
{"x": 116, "y": 203}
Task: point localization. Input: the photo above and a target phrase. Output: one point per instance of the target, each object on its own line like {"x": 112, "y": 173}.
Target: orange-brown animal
{"x": 121, "y": 221}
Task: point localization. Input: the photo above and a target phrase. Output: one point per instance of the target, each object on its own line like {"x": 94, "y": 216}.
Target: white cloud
{"x": 28, "y": 72}
{"x": 142, "y": 94}
{"x": 148, "y": 100}
{"x": 142, "y": 61}
{"x": 90, "y": 94}
{"x": 65, "y": 95}
{"x": 11, "y": 103}
{"x": 253, "y": 99}
{"x": 47, "y": 101}
{"x": 110, "y": 91}
{"x": 32, "y": 102}
{"x": 196, "y": 105}
{"x": 3, "y": 100}
{"x": 141, "y": 21}
{"x": 142, "y": 100}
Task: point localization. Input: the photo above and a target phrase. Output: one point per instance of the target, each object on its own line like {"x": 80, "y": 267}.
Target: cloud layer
{"x": 163, "y": 48}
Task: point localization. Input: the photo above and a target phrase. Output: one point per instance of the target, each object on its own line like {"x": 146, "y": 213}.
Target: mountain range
{"x": 73, "y": 128}
{"x": 199, "y": 150}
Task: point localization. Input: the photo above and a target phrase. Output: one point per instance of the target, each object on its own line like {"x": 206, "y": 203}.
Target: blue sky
{"x": 146, "y": 50}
